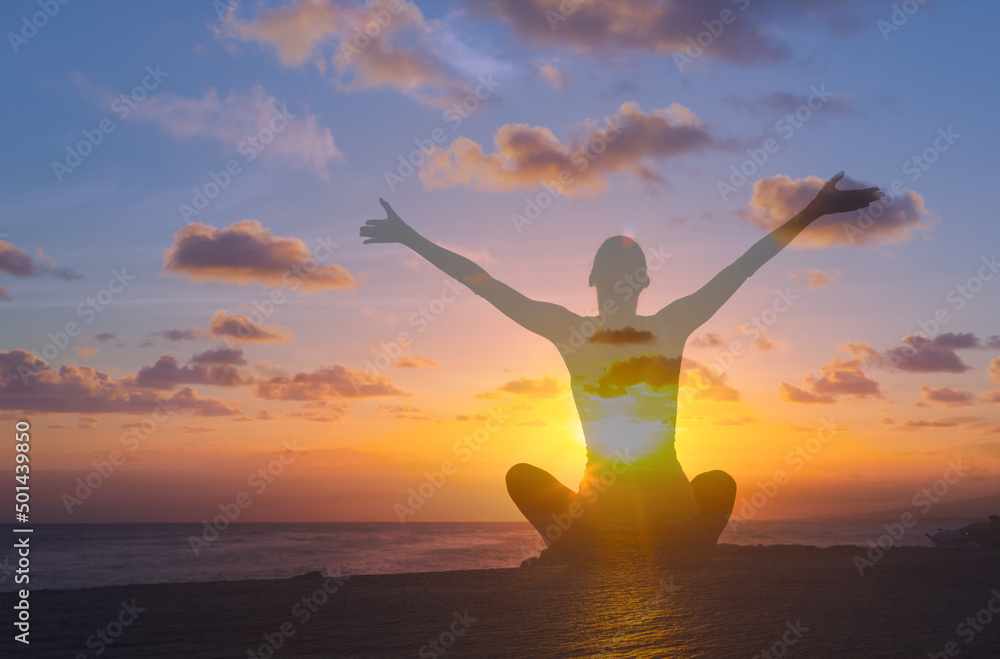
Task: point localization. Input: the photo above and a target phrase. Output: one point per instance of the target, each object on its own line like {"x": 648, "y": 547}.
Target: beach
{"x": 795, "y": 601}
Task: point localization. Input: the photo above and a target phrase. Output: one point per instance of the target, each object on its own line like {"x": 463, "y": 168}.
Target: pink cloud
{"x": 778, "y": 198}
{"x": 405, "y": 412}
{"x": 814, "y": 277}
{"x": 29, "y": 384}
{"x": 707, "y": 340}
{"x": 220, "y": 355}
{"x": 843, "y": 376}
{"x": 930, "y": 424}
{"x": 335, "y": 381}
{"x": 295, "y": 141}
{"x": 319, "y": 411}
{"x": 167, "y": 374}
{"x": 921, "y": 355}
{"x": 16, "y": 262}
{"x": 947, "y": 396}
{"x": 416, "y": 361}
{"x": 700, "y": 381}
{"x": 246, "y": 252}
{"x": 402, "y": 50}
{"x": 548, "y": 70}
{"x": 547, "y": 386}
{"x": 628, "y": 143}
{"x": 240, "y": 328}
{"x": 593, "y": 26}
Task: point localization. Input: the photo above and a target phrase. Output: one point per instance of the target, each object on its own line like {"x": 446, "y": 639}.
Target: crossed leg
{"x": 715, "y": 492}
{"x": 540, "y": 497}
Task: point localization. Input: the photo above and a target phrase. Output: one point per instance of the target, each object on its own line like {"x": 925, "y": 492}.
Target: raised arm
{"x": 546, "y": 319}
{"x": 691, "y": 312}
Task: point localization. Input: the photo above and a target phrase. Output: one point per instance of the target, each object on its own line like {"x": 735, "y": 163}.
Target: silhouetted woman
{"x": 624, "y": 370}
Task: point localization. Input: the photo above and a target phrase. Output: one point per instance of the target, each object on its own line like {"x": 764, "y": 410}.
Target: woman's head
{"x": 619, "y": 259}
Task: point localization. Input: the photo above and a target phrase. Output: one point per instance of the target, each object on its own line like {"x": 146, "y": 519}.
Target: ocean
{"x": 68, "y": 556}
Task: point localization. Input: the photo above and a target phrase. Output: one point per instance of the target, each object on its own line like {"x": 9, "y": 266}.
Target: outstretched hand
{"x": 390, "y": 230}
{"x": 830, "y": 200}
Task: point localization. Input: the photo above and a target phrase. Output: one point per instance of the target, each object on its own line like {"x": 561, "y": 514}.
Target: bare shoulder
{"x": 670, "y": 328}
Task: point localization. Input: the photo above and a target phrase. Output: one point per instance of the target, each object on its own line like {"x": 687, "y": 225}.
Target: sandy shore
{"x": 787, "y": 600}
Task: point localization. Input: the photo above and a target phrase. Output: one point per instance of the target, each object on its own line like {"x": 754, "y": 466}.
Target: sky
{"x": 188, "y": 313}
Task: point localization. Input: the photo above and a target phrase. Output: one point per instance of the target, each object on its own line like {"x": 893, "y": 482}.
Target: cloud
{"x": 707, "y": 340}
{"x": 406, "y": 55}
{"x": 968, "y": 419}
{"x": 792, "y": 394}
{"x": 220, "y": 355}
{"x": 29, "y": 384}
{"x": 250, "y": 122}
{"x": 627, "y": 335}
{"x": 416, "y": 361}
{"x": 814, "y": 277}
{"x": 606, "y": 28}
{"x": 50, "y": 266}
{"x": 87, "y": 422}
{"x": 937, "y": 355}
{"x": 992, "y": 396}
{"x": 261, "y": 415}
{"x": 191, "y": 334}
{"x": 546, "y": 386}
{"x": 473, "y": 417}
{"x": 947, "y": 396}
{"x": 186, "y": 398}
{"x": 405, "y": 412}
{"x": 246, "y": 252}
{"x": 762, "y": 343}
{"x": 700, "y": 380}
{"x": 65, "y": 273}
{"x": 930, "y": 424}
{"x": 994, "y": 368}
{"x": 238, "y": 327}
{"x": 716, "y": 340}
{"x": 196, "y": 430}
{"x": 782, "y": 103}
{"x": 526, "y": 156}
{"x": 653, "y": 371}
{"x": 16, "y": 262}
{"x": 895, "y": 220}
{"x": 548, "y": 70}
{"x": 334, "y": 381}
{"x": 596, "y": 26}
{"x": 320, "y": 411}
{"x": 85, "y": 352}
{"x": 843, "y": 376}
{"x": 104, "y": 337}
{"x": 167, "y": 374}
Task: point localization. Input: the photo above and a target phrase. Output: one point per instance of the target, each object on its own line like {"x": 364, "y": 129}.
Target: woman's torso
{"x": 625, "y": 380}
